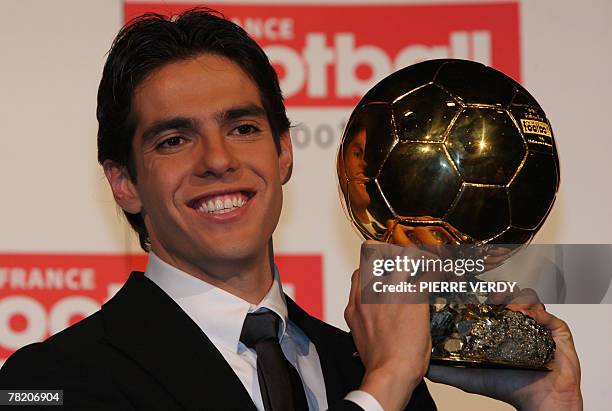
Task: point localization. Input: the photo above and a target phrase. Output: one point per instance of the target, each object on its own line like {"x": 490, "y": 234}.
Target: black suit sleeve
{"x": 38, "y": 367}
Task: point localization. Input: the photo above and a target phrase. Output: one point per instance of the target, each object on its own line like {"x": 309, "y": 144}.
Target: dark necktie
{"x": 280, "y": 384}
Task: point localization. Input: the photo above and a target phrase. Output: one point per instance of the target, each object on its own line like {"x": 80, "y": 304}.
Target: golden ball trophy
{"x": 465, "y": 151}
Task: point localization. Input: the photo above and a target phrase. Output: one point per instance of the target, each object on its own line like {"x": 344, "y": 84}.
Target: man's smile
{"x": 221, "y": 201}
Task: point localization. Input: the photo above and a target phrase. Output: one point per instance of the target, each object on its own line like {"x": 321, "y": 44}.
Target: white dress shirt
{"x": 220, "y": 315}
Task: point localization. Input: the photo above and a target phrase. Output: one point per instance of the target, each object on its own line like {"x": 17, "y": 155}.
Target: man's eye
{"x": 245, "y": 129}
{"x": 171, "y": 142}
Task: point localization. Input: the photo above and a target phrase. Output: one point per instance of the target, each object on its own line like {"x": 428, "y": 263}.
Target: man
{"x": 194, "y": 142}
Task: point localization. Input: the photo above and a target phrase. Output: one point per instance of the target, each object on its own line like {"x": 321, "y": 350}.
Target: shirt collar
{"x": 217, "y": 312}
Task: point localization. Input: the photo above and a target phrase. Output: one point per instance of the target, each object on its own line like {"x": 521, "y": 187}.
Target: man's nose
{"x": 216, "y": 157}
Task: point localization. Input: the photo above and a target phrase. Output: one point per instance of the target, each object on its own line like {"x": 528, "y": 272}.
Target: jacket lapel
{"x": 149, "y": 327}
{"x": 342, "y": 371}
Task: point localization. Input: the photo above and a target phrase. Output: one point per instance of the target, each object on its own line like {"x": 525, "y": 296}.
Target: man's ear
{"x": 124, "y": 191}
{"x": 285, "y": 157}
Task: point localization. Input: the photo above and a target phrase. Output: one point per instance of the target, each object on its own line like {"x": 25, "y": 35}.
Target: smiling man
{"x": 194, "y": 141}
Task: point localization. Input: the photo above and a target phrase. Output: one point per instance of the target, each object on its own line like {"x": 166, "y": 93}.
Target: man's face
{"x": 209, "y": 175}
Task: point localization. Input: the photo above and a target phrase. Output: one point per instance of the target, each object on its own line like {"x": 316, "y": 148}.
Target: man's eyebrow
{"x": 173, "y": 123}
{"x": 234, "y": 113}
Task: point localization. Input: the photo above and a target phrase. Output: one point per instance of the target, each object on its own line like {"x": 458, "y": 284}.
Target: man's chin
{"x": 230, "y": 254}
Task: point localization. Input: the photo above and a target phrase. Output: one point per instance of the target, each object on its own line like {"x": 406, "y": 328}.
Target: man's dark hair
{"x": 151, "y": 41}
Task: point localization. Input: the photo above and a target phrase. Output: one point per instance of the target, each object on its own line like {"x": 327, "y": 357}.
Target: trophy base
{"x": 488, "y": 336}
{"x": 468, "y": 363}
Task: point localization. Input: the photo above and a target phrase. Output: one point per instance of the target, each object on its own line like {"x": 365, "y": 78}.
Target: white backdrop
{"x": 55, "y": 200}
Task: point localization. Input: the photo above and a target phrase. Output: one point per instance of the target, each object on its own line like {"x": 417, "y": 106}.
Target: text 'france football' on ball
{"x": 449, "y": 144}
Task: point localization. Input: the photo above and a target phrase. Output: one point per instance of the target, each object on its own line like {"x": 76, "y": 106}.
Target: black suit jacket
{"x": 140, "y": 351}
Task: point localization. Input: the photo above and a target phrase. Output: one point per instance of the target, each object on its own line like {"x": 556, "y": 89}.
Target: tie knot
{"x": 259, "y": 327}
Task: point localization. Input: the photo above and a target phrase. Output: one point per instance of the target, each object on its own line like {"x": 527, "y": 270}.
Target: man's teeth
{"x": 222, "y": 204}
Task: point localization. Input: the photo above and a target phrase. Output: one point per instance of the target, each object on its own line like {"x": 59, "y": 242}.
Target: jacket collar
{"x": 149, "y": 327}
{"x": 342, "y": 370}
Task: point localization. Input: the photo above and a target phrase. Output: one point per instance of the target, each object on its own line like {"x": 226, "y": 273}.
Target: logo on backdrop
{"x": 330, "y": 55}
{"x": 42, "y": 294}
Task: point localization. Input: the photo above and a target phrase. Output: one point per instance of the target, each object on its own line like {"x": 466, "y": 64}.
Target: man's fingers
{"x": 547, "y": 320}
{"x": 350, "y": 306}
{"x": 432, "y": 235}
{"x": 502, "y": 297}
{"x": 497, "y": 297}
{"x": 400, "y": 237}
{"x": 354, "y": 287}
{"x": 425, "y": 236}
{"x": 519, "y": 300}
{"x": 526, "y": 307}
{"x": 525, "y": 299}
{"x": 352, "y": 295}
{"x": 356, "y": 282}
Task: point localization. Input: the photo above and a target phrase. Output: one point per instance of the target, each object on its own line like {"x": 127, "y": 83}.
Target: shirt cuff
{"x": 365, "y": 400}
